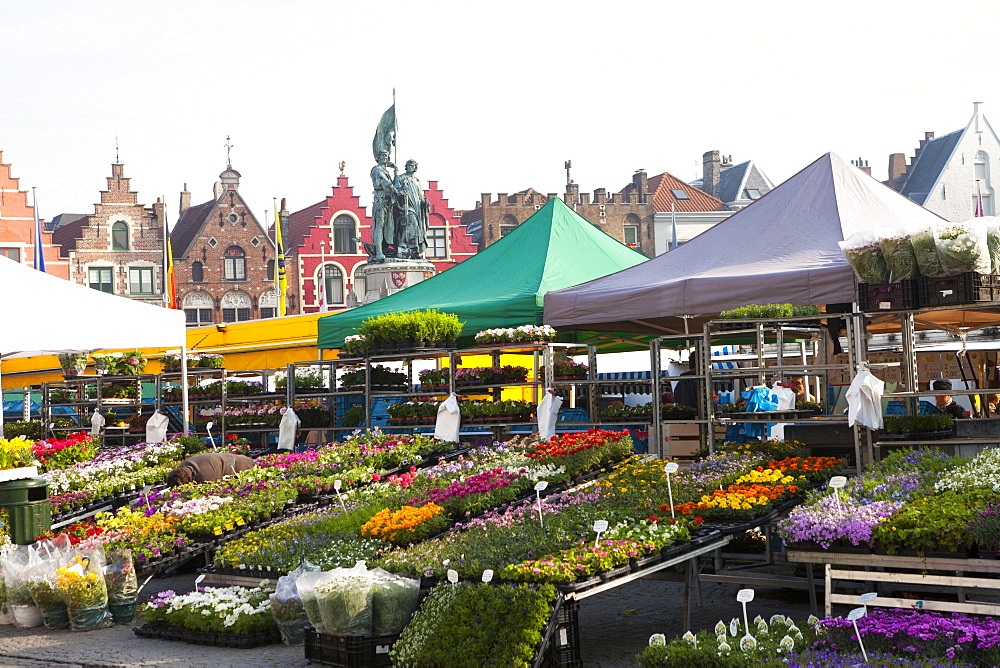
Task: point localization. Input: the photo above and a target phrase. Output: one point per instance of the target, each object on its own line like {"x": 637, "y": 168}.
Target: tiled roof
{"x": 63, "y": 219}
{"x": 67, "y": 234}
{"x": 698, "y": 200}
{"x": 298, "y": 226}
{"x": 731, "y": 181}
{"x": 187, "y": 228}
{"x": 930, "y": 163}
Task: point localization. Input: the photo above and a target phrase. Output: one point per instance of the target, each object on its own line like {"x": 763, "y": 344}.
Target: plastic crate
{"x": 967, "y": 288}
{"x": 901, "y": 296}
{"x": 349, "y": 651}
{"x": 561, "y": 639}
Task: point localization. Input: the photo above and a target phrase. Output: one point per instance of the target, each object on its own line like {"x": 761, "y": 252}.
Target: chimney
{"x": 710, "y": 168}
{"x": 572, "y": 195}
{"x": 897, "y": 168}
{"x": 185, "y": 201}
{"x": 639, "y": 180}
{"x": 975, "y": 113}
{"x": 862, "y": 165}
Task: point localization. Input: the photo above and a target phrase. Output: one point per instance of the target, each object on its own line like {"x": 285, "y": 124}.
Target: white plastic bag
{"x": 962, "y": 247}
{"x": 925, "y": 251}
{"x": 897, "y": 250}
{"x": 864, "y": 253}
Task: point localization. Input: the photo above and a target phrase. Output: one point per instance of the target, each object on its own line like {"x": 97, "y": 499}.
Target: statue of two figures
{"x": 399, "y": 213}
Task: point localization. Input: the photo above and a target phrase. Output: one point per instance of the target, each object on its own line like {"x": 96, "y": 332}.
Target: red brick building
{"x": 320, "y": 246}
{"x": 119, "y": 248}
{"x": 17, "y": 227}
{"x": 223, "y": 258}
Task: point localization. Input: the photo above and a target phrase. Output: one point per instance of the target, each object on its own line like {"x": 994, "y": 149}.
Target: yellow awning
{"x": 247, "y": 346}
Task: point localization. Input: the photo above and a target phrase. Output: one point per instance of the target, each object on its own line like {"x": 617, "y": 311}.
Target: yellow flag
{"x": 281, "y": 279}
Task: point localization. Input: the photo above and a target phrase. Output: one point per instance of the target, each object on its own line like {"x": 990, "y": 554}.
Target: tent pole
{"x": 1, "y": 402}
{"x": 185, "y": 424}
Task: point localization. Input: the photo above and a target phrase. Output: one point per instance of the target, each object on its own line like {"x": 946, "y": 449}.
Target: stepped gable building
{"x": 223, "y": 258}
{"x": 629, "y": 215}
{"x": 119, "y": 248}
{"x": 948, "y": 174}
{"x": 17, "y": 227}
{"x": 738, "y": 186}
{"x": 321, "y": 247}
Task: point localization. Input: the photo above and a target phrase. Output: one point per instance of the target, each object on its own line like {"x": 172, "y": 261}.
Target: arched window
{"x": 119, "y": 236}
{"x": 630, "y": 230}
{"x": 360, "y": 286}
{"x": 333, "y": 283}
{"x": 235, "y": 264}
{"x": 197, "y": 272}
{"x": 507, "y": 225}
{"x": 344, "y": 235}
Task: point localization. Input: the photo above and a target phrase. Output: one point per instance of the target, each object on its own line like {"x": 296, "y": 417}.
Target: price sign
{"x": 218, "y": 531}
{"x": 671, "y": 467}
{"x": 337, "y": 484}
{"x": 838, "y": 481}
{"x": 541, "y": 485}
{"x": 452, "y": 576}
{"x": 745, "y": 596}
{"x": 600, "y": 526}
{"x": 487, "y": 575}
{"x": 854, "y": 615}
{"x": 243, "y": 565}
{"x": 865, "y": 599}
{"x": 198, "y": 579}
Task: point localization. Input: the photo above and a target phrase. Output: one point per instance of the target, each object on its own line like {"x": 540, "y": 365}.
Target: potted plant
{"x": 72, "y": 364}
{"x": 171, "y": 363}
{"x": 569, "y": 370}
{"x": 400, "y": 332}
{"x": 100, "y": 362}
{"x": 522, "y": 334}
{"x": 434, "y": 379}
{"x": 212, "y": 362}
{"x": 354, "y": 346}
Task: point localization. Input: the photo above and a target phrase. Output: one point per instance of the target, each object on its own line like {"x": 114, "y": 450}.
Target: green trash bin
{"x": 29, "y": 513}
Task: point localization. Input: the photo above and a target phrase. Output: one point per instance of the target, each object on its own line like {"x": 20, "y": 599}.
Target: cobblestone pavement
{"x": 614, "y": 627}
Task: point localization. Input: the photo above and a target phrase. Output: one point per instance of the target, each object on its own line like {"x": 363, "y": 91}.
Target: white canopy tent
{"x": 46, "y": 315}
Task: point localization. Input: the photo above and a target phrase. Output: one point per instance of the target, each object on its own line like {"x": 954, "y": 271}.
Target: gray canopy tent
{"x": 781, "y": 249}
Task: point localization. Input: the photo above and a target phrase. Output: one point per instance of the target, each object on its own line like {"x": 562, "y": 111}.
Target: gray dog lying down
{"x": 207, "y": 467}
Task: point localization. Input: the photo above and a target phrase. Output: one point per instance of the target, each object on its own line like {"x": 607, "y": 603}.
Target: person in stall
{"x": 945, "y": 402}
{"x": 798, "y": 386}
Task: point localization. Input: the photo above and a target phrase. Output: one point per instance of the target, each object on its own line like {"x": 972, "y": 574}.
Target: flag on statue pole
{"x": 171, "y": 280}
{"x": 39, "y": 263}
{"x": 978, "y": 213}
{"x": 279, "y": 267}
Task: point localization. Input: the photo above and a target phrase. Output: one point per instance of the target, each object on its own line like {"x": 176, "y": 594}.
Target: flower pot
{"x": 26, "y": 616}
{"x": 613, "y": 573}
{"x": 122, "y": 613}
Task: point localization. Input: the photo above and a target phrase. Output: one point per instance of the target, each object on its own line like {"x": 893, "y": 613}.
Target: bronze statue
{"x": 383, "y": 228}
{"x": 410, "y": 214}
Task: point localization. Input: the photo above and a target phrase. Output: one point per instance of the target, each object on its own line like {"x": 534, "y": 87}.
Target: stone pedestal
{"x": 382, "y": 280}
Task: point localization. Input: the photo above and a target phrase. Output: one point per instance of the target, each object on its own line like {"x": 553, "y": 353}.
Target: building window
{"x": 268, "y": 312}
{"x": 13, "y": 253}
{"x": 119, "y": 236}
{"x": 235, "y": 314}
{"x": 140, "y": 280}
{"x": 235, "y": 264}
{"x": 270, "y": 270}
{"x": 333, "y": 282}
{"x": 360, "y": 286}
{"x": 343, "y": 235}
{"x": 99, "y": 278}
{"x": 198, "y": 316}
{"x": 197, "y": 272}
{"x": 437, "y": 246}
{"x": 679, "y": 193}
{"x": 752, "y": 193}
{"x": 506, "y": 229}
{"x": 631, "y": 233}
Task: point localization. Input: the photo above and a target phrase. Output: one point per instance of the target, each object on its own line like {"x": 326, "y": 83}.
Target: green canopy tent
{"x": 505, "y": 284}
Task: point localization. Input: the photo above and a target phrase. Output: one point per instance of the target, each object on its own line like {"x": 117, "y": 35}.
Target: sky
{"x": 490, "y": 97}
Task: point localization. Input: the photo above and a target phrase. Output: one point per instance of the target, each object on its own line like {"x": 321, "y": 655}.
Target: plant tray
{"x": 966, "y": 288}
{"x": 20, "y": 473}
{"x": 167, "y": 632}
{"x": 348, "y": 651}
{"x": 770, "y": 416}
{"x": 914, "y": 435}
{"x": 901, "y": 296}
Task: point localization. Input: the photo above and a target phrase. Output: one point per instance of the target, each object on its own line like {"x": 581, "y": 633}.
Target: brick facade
{"x": 222, "y": 258}
{"x": 118, "y": 248}
{"x": 17, "y": 227}
{"x": 311, "y": 235}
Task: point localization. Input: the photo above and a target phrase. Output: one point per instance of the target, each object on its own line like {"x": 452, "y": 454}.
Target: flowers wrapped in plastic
{"x": 123, "y": 586}
{"x": 15, "y": 565}
{"x": 925, "y": 251}
{"x": 962, "y": 247}
{"x": 287, "y": 608}
{"x": 41, "y": 581}
{"x": 897, "y": 250}
{"x": 345, "y": 601}
{"x": 306, "y": 586}
{"x": 394, "y": 600}
{"x": 85, "y": 591}
{"x": 864, "y": 252}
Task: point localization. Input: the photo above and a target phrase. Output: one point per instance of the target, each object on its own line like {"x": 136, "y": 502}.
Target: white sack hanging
{"x": 449, "y": 420}
{"x": 547, "y": 412}
{"x": 156, "y": 428}
{"x": 864, "y": 399}
{"x": 287, "y": 428}
{"x": 96, "y": 423}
